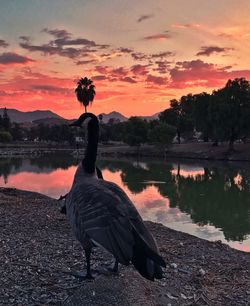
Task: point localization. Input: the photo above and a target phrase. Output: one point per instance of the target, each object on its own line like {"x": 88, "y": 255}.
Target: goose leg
{"x": 87, "y": 255}
{"x": 114, "y": 269}
{"x": 89, "y": 274}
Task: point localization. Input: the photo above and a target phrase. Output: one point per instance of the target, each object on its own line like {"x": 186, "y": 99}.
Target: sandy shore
{"x": 38, "y": 252}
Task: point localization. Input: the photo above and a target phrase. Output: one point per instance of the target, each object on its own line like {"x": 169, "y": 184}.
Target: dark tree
{"x": 6, "y": 120}
{"x": 201, "y": 115}
{"x": 16, "y": 132}
{"x": 179, "y": 115}
{"x": 233, "y": 110}
{"x": 162, "y": 135}
{"x": 85, "y": 92}
{"x": 135, "y": 132}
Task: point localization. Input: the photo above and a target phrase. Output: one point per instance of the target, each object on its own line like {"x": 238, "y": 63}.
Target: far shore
{"x": 191, "y": 150}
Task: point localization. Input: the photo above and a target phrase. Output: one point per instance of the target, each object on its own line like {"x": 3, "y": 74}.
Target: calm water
{"x": 211, "y": 201}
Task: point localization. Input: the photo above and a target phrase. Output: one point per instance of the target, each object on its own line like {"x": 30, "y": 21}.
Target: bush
{"x": 5, "y": 137}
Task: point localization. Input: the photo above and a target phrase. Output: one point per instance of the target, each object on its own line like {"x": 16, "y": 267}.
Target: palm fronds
{"x": 85, "y": 91}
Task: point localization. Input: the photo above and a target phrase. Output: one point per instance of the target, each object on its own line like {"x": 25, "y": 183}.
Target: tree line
{"x": 223, "y": 115}
{"x": 220, "y": 116}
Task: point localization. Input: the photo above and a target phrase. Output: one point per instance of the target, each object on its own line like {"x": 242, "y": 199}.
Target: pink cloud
{"x": 9, "y": 58}
{"x": 198, "y": 73}
{"x": 157, "y": 80}
{"x": 164, "y": 36}
{"x": 208, "y": 50}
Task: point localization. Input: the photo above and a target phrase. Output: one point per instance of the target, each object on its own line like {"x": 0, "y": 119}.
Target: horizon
{"x": 49, "y": 110}
{"x": 138, "y": 57}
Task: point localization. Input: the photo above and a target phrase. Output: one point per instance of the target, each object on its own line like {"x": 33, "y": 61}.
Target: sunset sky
{"x": 140, "y": 54}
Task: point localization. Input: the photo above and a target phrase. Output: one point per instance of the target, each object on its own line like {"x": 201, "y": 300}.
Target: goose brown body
{"x": 101, "y": 213}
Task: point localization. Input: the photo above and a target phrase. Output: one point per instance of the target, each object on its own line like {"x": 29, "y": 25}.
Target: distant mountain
{"x": 118, "y": 116}
{"x": 152, "y": 117}
{"x": 52, "y": 121}
{"x": 20, "y": 117}
{"x": 113, "y": 115}
{"x": 50, "y": 118}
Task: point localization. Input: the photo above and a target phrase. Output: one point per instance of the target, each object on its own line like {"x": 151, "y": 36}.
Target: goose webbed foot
{"x": 114, "y": 268}
{"x": 109, "y": 269}
{"x": 89, "y": 275}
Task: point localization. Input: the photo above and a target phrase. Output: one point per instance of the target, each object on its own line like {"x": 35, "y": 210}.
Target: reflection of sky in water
{"x": 149, "y": 202}
{"x": 187, "y": 170}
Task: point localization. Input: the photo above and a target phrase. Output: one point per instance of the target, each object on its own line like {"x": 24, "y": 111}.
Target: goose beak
{"x": 76, "y": 123}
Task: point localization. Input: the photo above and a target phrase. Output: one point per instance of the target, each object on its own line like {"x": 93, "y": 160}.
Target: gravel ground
{"x": 38, "y": 252}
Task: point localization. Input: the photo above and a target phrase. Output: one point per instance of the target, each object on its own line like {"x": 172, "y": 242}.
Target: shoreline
{"x": 38, "y": 252}
{"x": 191, "y": 151}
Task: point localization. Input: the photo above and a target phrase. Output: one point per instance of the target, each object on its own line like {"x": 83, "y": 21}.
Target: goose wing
{"x": 96, "y": 211}
{"x": 102, "y": 211}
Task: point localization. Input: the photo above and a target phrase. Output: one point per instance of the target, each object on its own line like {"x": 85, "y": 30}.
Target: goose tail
{"x": 146, "y": 261}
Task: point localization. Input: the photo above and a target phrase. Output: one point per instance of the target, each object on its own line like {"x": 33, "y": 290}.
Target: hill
{"x": 50, "y": 118}
{"x": 20, "y": 117}
{"x": 113, "y": 115}
{"x": 152, "y": 117}
{"x": 118, "y": 116}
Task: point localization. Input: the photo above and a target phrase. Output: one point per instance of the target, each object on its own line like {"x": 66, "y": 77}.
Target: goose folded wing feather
{"x": 103, "y": 218}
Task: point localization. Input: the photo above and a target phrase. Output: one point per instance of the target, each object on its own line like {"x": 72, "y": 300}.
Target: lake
{"x": 206, "y": 199}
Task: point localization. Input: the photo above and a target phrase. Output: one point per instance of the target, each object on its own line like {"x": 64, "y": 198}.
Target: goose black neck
{"x": 91, "y": 150}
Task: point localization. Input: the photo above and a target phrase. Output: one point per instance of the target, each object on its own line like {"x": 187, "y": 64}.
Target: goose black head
{"x": 82, "y": 118}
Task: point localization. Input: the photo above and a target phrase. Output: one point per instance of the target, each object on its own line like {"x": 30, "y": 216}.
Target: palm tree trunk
{"x": 85, "y": 108}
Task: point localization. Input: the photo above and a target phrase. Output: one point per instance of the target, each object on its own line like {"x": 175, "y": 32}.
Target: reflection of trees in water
{"x": 137, "y": 178}
{"x": 54, "y": 161}
{"x": 216, "y": 198}
{"x": 48, "y": 162}
{"x": 7, "y": 165}
{"x": 219, "y": 197}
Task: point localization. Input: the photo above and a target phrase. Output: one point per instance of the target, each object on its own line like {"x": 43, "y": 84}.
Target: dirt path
{"x": 37, "y": 252}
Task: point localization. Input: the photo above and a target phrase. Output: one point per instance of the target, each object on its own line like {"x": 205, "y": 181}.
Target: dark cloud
{"x": 128, "y": 80}
{"x": 139, "y": 56}
{"x": 101, "y": 69}
{"x": 125, "y": 50}
{"x": 208, "y": 50}
{"x": 63, "y": 44}
{"x": 139, "y": 69}
{"x": 159, "y": 36}
{"x": 3, "y": 43}
{"x": 13, "y": 58}
{"x": 86, "y": 62}
{"x": 156, "y": 79}
{"x": 144, "y": 17}
{"x": 64, "y": 38}
{"x": 121, "y": 71}
{"x": 58, "y": 33}
{"x": 162, "y": 66}
{"x": 162, "y": 54}
{"x": 49, "y": 88}
{"x": 99, "y": 78}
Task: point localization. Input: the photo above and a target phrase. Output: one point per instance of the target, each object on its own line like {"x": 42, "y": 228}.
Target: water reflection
{"x": 212, "y": 202}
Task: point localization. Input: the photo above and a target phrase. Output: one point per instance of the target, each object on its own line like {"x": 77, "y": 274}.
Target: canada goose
{"x": 63, "y": 208}
{"x": 100, "y": 213}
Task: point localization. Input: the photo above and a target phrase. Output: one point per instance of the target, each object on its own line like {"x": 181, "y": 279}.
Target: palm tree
{"x": 85, "y": 92}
